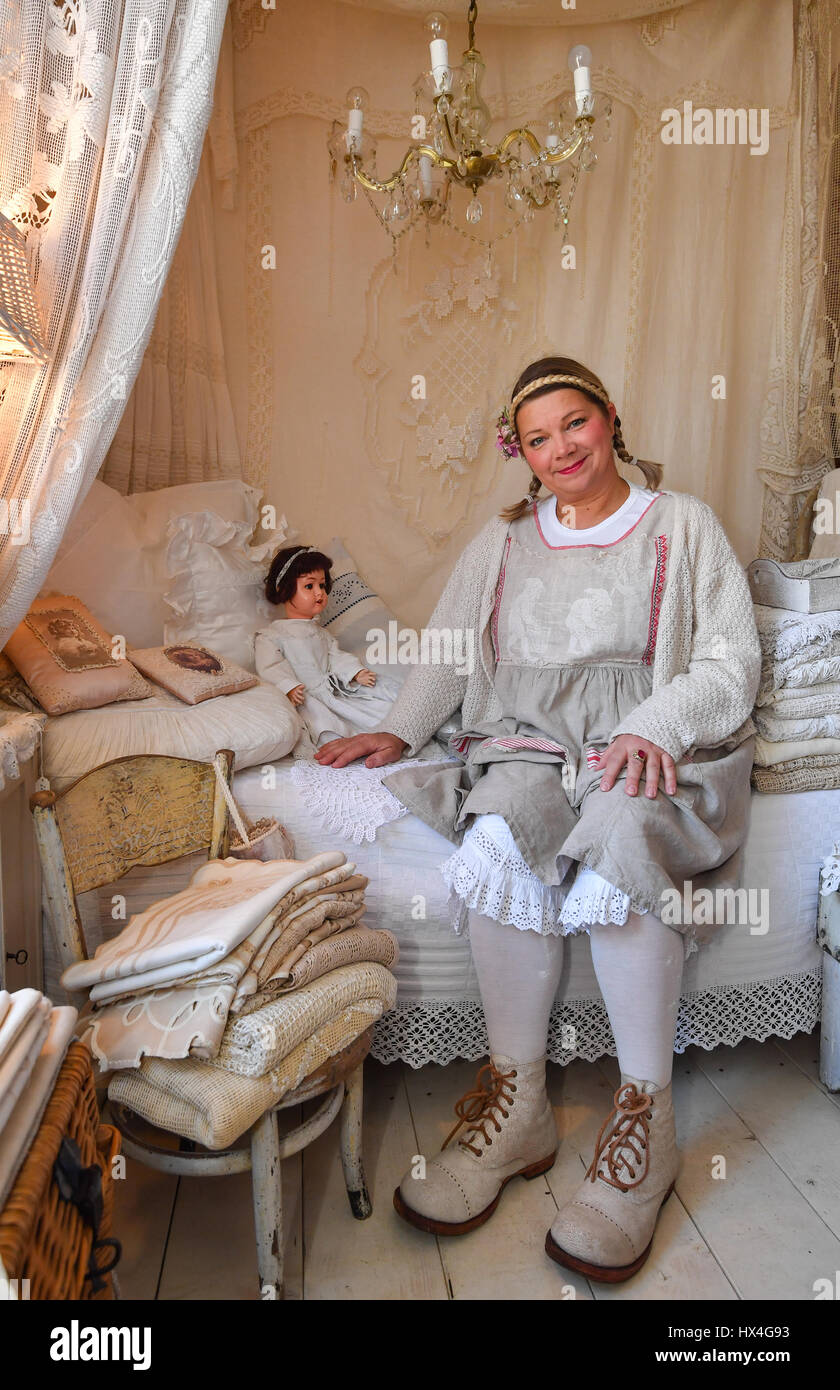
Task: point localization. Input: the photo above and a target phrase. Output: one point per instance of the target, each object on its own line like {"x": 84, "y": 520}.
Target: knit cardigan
{"x": 707, "y": 661}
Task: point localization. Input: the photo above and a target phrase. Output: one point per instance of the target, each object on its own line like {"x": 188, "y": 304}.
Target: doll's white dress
{"x": 297, "y": 651}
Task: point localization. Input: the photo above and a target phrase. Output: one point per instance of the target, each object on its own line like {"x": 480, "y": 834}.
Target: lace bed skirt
{"x": 442, "y": 1030}
{"x": 488, "y": 873}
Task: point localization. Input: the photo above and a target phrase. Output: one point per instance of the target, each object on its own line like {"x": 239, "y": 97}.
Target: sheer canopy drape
{"x": 178, "y": 424}
{"x": 103, "y": 107}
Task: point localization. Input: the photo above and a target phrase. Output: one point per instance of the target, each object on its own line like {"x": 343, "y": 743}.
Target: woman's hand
{"x": 656, "y": 760}
{"x": 297, "y": 695}
{"x": 365, "y": 677}
{"x": 376, "y": 749}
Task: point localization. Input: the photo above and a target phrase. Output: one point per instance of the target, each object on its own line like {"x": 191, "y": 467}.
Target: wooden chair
{"x": 151, "y": 810}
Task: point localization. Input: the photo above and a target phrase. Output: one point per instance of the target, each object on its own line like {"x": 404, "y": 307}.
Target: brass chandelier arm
{"x": 386, "y": 185}
{"x": 496, "y": 156}
{"x": 557, "y": 157}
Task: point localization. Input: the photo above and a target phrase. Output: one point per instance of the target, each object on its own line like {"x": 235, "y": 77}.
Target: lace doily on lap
{"x": 351, "y": 801}
{"x": 442, "y": 1030}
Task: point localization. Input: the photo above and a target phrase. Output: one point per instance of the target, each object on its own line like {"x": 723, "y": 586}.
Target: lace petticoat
{"x": 488, "y": 874}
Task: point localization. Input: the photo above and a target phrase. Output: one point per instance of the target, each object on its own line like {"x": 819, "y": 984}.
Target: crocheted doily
{"x": 441, "y": 1030}
{"x": 351, "y": 801}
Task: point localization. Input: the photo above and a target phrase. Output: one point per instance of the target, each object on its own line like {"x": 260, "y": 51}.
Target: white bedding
{"x": 738, "y": 985}
{"x": 789, "y": 836}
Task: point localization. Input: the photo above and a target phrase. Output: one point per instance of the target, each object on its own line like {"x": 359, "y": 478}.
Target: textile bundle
{"x": 255, "y": 971}
{"x": 797, "y": 713}
{"x": 33, "y": 1041}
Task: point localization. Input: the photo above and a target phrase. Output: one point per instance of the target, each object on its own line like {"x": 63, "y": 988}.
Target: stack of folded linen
{"x": 210, "y": 1005}
{"x": 797, "y": 713}
{"x": 164, "y": 987}
{"x": 33, "y": 1040}
{"x": 263, "y": 1056}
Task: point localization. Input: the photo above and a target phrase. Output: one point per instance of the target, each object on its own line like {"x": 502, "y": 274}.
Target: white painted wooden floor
{"x": 767, "y": 1231}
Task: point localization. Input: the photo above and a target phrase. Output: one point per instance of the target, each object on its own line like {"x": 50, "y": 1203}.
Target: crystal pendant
{"x": 474, "y": 210}
{"x": 348, "y": 188}
{"x": 588, "y": 159}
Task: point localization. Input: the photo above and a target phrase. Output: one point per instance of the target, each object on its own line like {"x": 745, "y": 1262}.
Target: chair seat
{"x": 156, "y": 1146}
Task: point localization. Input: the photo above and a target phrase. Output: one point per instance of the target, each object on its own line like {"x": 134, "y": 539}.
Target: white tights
{"x": 639, "y": 969}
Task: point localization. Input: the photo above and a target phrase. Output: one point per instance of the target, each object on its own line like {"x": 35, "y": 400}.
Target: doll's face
{"x": 310, "y": 596}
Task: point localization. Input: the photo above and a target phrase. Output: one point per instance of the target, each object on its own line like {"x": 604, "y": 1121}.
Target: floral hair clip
{"x": 506, "y": 439}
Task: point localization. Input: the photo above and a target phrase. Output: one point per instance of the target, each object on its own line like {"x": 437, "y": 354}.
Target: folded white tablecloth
{"x": 192, "y": 930}
{"x": 22, "y": 1124}
{"x": 21, "y": 1057}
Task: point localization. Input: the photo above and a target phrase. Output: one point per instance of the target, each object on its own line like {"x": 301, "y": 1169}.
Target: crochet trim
{"x": 442, "y": 1030}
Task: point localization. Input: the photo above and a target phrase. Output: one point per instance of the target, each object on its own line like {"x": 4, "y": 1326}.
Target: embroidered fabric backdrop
{"x": 678, "y": 256}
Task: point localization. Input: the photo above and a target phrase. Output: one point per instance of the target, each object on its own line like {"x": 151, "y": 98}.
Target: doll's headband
{"x": 507, "y": 440}
{"x": 304, "y": 550}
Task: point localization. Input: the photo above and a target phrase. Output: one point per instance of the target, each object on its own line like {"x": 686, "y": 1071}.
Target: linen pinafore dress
{"x": 574, "y": 634}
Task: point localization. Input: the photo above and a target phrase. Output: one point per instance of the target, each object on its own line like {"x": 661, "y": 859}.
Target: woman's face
{"x": 567, "y": 441}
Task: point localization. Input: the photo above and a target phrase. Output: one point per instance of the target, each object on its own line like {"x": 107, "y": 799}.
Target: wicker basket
{"x": 42, "y": 1237}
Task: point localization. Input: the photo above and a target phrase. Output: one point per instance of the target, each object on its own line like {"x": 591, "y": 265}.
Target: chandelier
{"x": 451, "y": 144}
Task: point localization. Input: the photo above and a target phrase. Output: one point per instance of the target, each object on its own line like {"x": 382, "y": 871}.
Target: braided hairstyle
{"x": 567, "y": 366}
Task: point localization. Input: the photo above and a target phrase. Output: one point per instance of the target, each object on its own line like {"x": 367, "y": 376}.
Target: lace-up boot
{"x": 508, "y": 1131}
{"x": 605, "y": 1232}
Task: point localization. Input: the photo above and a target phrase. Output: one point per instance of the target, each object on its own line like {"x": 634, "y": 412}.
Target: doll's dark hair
{"x": 304, "y": 562}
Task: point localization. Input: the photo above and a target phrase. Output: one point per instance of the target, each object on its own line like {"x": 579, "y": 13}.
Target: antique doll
{"x": 333, "y": 693}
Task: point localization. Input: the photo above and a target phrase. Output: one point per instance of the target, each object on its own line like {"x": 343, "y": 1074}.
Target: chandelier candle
{"x": 580, "y": 62}
{"x": 439, "y": 51}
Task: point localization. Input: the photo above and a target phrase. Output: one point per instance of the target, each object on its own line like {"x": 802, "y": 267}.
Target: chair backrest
{"x": 142, "y": 810}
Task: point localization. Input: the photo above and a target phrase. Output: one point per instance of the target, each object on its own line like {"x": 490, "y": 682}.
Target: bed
{"x": 742, "y": 984}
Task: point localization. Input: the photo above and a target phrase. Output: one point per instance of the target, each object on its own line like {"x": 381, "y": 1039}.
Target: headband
{"x": 304, "y": 550}
{"x": 507, "y": 439}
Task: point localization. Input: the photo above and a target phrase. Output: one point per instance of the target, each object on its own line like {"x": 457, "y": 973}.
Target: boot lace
{"x": 623, "y": 1142}
{"x": 477, "y": 1108}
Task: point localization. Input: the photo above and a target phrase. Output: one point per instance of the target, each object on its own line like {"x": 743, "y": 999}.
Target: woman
{"x": 606, "y": 748}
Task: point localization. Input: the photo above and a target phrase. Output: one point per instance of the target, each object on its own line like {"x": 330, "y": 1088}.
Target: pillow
{"x": 353, "y": 609}
{"x": 826, "y": 542}
{"x": 259, "y": 724}
{"x": 192, "y": 673}
{"x": 103, "y": 560}
{"x": 13, "y": 688}
{"x": 64, "y": 655}
{"x": 215, "y": 595}
{"x": 230, "y": 498}
{"x": 113, "y": 553}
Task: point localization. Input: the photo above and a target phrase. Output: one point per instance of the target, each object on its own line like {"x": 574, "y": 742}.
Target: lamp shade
{"x": 20, "y": 327}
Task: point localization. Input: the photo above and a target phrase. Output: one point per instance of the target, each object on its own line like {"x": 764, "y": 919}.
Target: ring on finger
{"x": 640, "y": 755}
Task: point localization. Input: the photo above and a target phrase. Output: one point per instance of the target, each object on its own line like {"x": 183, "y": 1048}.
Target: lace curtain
{"x": 103, "y": 108}
{"x": 178, "y": 425}
{"x": 800, "y": 426}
